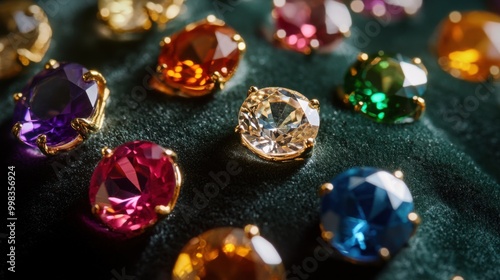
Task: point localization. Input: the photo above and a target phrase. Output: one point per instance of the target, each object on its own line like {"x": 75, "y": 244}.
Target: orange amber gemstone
{"x": 469, "y": 45}
{"x": 198, "y": 59}
{"x": 229, "y": 253}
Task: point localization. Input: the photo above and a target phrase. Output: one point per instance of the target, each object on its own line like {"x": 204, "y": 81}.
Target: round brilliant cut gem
{"x": 132, "y": 184}
{"x": 278, "y": 123}
{"x": 367, "y": 214}
{"x": 306, "y": 25}
{"x": 229, "y": 253}
{"x": 198, "y": 59}
{"x": 468, "y": 45}
{"x": 25, "y": 36}
{"x": 51, "y": 101}
{"x": 387, "y": 88}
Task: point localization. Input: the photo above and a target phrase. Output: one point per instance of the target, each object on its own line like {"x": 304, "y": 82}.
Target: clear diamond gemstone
{"x": 278, "y": 123}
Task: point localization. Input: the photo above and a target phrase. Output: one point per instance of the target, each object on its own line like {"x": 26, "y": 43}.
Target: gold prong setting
{"x": 64, "y": 139}
{"x": 253, "y": 130}
{"x": 358, "y": 188}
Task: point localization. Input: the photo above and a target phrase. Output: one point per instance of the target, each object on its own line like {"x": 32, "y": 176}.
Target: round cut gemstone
{"x": 304, "y": 25}
{"x": 469, "y": 45}
{"x": 195, "y": 59}
{"x": 387, "y": 88}
{"x": 228, "y": 253}
{"x": 25, "y": 36}
{"x": 366, "y": 212}
{"x": 387, "y": 9}
{"x": 129, "y": 185}
{"x": 135, "y": 16}
{"x": 51, "y": 100}
{"x": 278, "y": 123}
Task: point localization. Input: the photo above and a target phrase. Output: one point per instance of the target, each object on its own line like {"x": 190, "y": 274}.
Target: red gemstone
{"x": 129, "y": 184}
{"x": 304, "y": 25}
{"x": 193, "y": 56}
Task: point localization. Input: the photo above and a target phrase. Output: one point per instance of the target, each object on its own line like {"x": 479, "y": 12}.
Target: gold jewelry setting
{"x": 128, "y": 19}
{"x": 27, "y": 36}
{"x": 60, "y": 107}
{"x": 199, "y": 59}
{"x": 278, "y": 124}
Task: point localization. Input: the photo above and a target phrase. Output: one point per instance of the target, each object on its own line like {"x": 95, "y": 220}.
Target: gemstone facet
{"x": 366, "y": 214}
{"x": 25, "y": 36}
{"x": 468, "y": 45}
{"x": 278, "y": 123}
{"x": 229, "y": 253}
{"x": 124, "y": 19}
{"x": 386, "y": 88}
{"x": 199, "y": 59}
{"x": 132, "y": 184}
{"x": 59, "y": 107}
{"x": 304, "y": 25}
{"x": 388, "y": 10}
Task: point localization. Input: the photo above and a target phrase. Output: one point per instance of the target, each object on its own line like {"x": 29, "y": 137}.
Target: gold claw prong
{"x": 417, "y": 60}
{"x": 494, "y": 72}
{"x": 414, "y": 218}
{"x": 161, "y": 67}
{"x": 93, "y": 75}
{"x": 314, "y": 103}
{"x": 171, "y": 154}
{"x": 455, "y": 16}
{"x": 211, "y": 18}
{"x": 421, "y": 104}
{"x": 363, "y": 57}
{"x": 218, "y": 80}
{"x": 51, "y": 64}
{"x": 399, "y": 174}
{"x": 280, "y": 34}
{"x": 239, "y": 129}
{"x": 163, "y": 210}
{"x": 17, "y": 96}
{"x": 165, "y": 41}
{"x": 106, "y": 152}
{"x": 83, "y": 126}
{"x": 326, "y": 235}
{"x": 251, "y": 231}
{"x": 358, "y": 106}
{"x": 41, "y": 142}
{"x": 325, "y": 189}
{"x": 457, "y": 277}
{"x": 253, "y": 89}
{"x": 95, "y": 209}
{"x": 310, "y": 142}
{"x": 16, "y": 129}
{"x": 384, "y": 254}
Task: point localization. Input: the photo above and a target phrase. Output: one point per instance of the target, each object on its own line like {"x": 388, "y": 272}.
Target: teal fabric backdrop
{"x": 450, "y": 157}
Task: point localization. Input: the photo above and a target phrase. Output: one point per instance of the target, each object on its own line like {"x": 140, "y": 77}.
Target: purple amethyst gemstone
{"x": 51, "y": 100}
{"x": 391, "y": 10}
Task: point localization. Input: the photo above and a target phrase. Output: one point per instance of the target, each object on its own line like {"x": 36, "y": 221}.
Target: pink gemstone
{"x": 303, "y": 25}
{"x": 128, "y": 185}
{"x": 389, "y": 10}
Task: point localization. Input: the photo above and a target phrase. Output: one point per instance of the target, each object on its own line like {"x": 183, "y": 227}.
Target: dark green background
{"x": 450, "y": 157}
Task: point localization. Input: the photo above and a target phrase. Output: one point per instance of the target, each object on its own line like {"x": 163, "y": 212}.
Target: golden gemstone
{"x": 129, "y": 17}
{"x": 229, "y": 253}
{"x": 25, "y": 36}
{"x": 469, "y": 45}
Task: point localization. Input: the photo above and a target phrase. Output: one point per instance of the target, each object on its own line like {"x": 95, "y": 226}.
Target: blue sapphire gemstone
{"x": 367, "y": 211}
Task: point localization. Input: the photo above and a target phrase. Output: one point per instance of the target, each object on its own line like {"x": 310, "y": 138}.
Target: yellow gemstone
{"x": 126, "y": 17}
{"x": 229, "y": 253}
{"x": 25, "y": 35}
{"x": 469, "y": 45}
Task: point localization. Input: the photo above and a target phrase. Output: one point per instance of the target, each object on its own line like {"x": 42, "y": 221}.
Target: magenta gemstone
{"x": 390, "y": 10}
{"x": 128, "y": 185}
{"x": 303, "y": 25}
{"x": 51, "y": 100}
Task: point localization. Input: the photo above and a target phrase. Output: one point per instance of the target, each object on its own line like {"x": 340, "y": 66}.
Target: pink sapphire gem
{"x": 388, "y": 10}
{"x": 132, "y": 184}
{"x": 306, "y": 25}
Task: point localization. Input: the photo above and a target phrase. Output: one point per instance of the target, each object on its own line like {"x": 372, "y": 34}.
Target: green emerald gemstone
{"x": 387, "y": 88}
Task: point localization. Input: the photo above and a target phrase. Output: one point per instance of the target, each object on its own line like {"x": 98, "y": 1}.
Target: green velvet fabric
{"x": 450, "y": 157}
